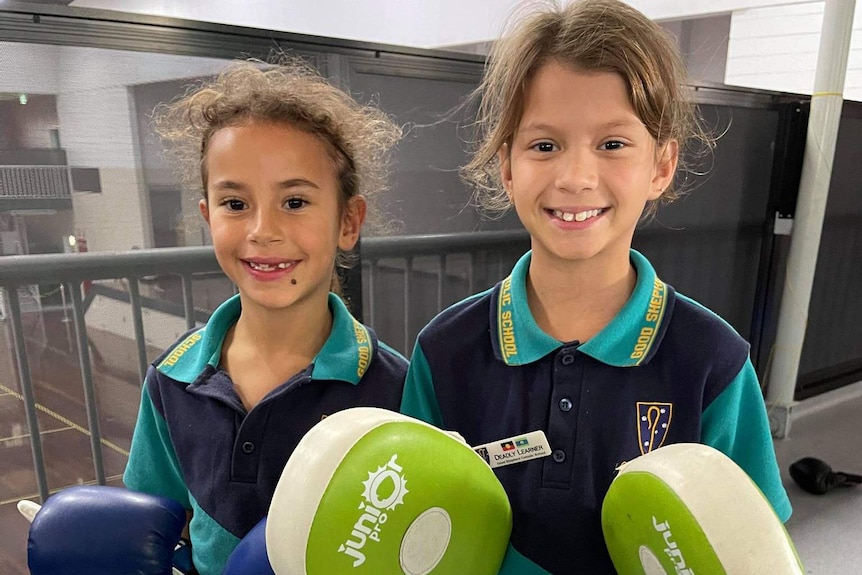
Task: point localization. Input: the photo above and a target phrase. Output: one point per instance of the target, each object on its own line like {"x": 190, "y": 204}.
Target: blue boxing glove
{"x": 95, "y": 530}
{"x": 249, "y": 557}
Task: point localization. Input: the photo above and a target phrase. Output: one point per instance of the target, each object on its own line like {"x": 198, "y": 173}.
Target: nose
{"x": 264, "y": 228}
{"x": 577, "y": 170}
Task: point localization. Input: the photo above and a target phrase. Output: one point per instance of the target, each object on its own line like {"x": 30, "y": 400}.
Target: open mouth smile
{"x": 577, "y": 216}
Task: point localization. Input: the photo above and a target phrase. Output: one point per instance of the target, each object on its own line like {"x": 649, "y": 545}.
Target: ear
{"x": 204, "y": 207}
{"x": 504, "y": 157}
{"x": 352, "y": 218}
{"x": 665, "y": 168}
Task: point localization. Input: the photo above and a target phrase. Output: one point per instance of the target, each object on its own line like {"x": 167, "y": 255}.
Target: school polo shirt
{"x": 664, "y": 370}
{"x": 195, "y": 442}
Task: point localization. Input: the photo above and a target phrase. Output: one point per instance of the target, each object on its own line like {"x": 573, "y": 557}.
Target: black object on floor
{"x": 816, "y": 476}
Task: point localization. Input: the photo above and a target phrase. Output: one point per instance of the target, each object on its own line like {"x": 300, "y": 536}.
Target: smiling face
{"x": 582, "y": 166}
{"x": 275, "y": 213}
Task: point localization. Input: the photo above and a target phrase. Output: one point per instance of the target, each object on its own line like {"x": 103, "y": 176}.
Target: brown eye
{"x": 295, "y": 203}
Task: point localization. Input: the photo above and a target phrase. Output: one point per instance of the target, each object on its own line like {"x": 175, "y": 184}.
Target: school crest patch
{"x": 653, "y": 423}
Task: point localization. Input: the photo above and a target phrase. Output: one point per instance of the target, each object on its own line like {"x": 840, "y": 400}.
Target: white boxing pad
{"x": 688, "y": 509}
{"x": 369, "y": 491}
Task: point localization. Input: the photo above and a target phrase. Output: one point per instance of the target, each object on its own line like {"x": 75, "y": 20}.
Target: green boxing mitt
{"x": 688, "y": 509}
{"x": 369, "y": 491}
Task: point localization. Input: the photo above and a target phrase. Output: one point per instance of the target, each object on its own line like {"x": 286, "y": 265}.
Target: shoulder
{"x": 696, "y": 333}
{"x": 468, "y": 316}
{"x": 175, "y": 352}
{"x": 192, "y": 352}
{"x": 390, "y": 358}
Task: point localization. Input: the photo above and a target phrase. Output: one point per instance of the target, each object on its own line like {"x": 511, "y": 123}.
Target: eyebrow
{"x": 545, "y": 127}
{"x": 231, "y": 185}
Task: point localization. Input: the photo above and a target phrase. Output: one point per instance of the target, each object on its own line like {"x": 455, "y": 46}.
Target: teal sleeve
{"x": 419, "y": 399}
{"x": 212, "y": 544}
{"x": 153, "y": 466}
{"x": 736, "y": 424}
{"x": 516, "y": 564}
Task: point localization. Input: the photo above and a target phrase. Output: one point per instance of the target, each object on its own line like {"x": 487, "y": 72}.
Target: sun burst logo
{"x": 378, "y": 478}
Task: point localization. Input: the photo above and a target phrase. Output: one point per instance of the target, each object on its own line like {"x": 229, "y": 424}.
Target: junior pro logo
{"x": 383, "y": 491}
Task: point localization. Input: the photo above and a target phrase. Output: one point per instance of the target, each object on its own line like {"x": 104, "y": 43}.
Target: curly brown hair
{"x": 359, "y": 138}
{"x": 592, "y": 35}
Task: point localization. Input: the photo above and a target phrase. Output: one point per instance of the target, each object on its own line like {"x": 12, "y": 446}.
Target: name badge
{"x": 514, "y": 449}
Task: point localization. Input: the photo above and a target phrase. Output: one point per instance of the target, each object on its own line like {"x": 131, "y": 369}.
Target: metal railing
{"x": 393, "y": 266}
{"x": 71, "y": 270}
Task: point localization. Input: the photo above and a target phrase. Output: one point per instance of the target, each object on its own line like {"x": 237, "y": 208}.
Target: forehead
{"x": 562, "y": 95}
{"x": 259, "y": 145}
{"x": 259, "y": 136}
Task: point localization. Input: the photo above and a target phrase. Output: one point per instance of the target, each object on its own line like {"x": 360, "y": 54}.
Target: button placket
{"x": 562, "y": 423}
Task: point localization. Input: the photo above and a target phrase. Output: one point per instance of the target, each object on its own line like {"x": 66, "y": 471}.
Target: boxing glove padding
{"x": 249, "y": 557}
{"x": 99, "y": 530}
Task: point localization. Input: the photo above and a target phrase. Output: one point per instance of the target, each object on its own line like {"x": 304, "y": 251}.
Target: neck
{"x": 573, "y": 301}
{"x": 300, "y": 330}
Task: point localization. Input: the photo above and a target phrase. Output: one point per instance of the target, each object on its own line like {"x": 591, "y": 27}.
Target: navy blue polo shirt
{"x": 195, "y": 442}
{"x": 664, "y": 370}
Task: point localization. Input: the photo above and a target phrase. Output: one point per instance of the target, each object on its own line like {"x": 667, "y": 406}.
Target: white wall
{"x": 776, "y": 48}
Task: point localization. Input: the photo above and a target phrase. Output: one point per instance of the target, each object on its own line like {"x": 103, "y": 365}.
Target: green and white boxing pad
{"x": 369, "y": 492}
{"x": 688, "y": 509}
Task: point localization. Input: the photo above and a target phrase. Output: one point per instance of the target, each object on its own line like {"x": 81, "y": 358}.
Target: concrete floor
{"x": 826, "y": 529}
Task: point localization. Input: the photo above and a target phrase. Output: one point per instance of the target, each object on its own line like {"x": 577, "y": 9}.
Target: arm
{"x": 419, "y": 399}
{"x": 153, "y": 466}
{"x": 736, "y": 424}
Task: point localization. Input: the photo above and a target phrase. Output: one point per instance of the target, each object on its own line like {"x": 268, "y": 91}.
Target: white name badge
{"x": 514, "y": 449}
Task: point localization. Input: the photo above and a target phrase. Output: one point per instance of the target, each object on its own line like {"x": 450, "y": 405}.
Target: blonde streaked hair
{"x": 590, "y": 35}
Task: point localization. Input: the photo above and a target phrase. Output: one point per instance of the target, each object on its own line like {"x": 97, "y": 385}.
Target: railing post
{"x": 27, "y": 391}
{"x": 408, "y": 272}
{"x": 138, "y": 326}
{"x": 188, "y": 301}
{"x": 87, "y": 377}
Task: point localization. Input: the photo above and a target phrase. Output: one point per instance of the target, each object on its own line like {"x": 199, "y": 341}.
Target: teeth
{"x": 267, "y": 267}
{"x": 578, "y": 217}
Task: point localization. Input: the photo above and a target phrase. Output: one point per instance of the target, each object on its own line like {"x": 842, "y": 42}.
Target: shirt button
{"x": 559, "y": 455}
{"x": 568, "y": 359}
{"x": 248, "y": 447}
{"x": 566, "y": 404}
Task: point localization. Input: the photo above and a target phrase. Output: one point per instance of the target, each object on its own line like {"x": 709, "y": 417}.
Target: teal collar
{"x": 345, "y": 355}
{"x": 630, "y": 339}
{"x": 349, "y": 348}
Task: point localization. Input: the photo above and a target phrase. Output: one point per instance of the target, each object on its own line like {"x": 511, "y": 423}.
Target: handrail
{"x": 436, "y": 244}
{"x": 24, "y": 269}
